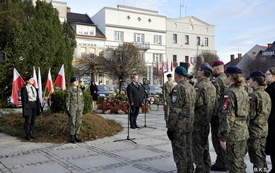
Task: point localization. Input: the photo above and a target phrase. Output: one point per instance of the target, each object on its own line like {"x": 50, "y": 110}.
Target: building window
{"x": 118, "y": 36}
{"x": 206, "y": 41}
{"x": 139, "y": 38}
{"x": 83, "y": 52}
{"x": 175, "y": 38}
{"x": 186, "y": 39}
{"x": 85, "y": 30}
{"x": 175, "y": 58}
{"x": 198, "y": 41}
{"x": 157, "y": 57}
{"x": 187, "y": 59}
{"x": 157, "y": 39}
{"x": 141, "y": 56}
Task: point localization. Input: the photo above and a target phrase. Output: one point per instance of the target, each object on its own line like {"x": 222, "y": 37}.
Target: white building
{"x": 145, "y": 28}
{"x": 187, "y": 37}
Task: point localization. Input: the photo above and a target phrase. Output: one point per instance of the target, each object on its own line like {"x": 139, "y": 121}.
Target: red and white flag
{"x": 35, "y": 85}
{"x": 49, "y": 83}
{"x": 39, "y": 84}
{"x": 60, "y": 79}
{"x": 172, "y": 66}
{"x": 16, "y": 86}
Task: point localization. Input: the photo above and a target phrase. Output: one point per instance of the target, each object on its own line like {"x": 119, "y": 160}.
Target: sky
{"x": 239, "y": 24}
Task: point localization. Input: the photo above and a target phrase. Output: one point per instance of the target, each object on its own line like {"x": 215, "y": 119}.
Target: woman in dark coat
{"x": 270, "y": 140}
{"x": 93, "y": 91}
{"x": 30, "y": 107}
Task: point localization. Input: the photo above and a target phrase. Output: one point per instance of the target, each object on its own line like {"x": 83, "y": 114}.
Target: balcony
{"x": 142, "y": 46}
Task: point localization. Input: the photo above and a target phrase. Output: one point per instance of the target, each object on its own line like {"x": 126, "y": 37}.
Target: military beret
{"x": 216, "y": 63}
{"x": 206, "y": 66}
{"x": 233, "y": 69}
{"x": 169, "y": 75}
{"x": 28, "y": 78}
{"x": 256, "y": 74}
{"x": 181, "y": 70}
{"x": 73, "y": 79}
{"x": 190, "y": 77}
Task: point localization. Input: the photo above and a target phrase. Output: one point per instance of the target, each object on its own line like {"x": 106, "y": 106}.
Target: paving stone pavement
{"x": 149, "y": 151}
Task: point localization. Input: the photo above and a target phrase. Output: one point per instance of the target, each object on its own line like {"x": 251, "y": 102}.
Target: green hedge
{"x": 58, "y": 102}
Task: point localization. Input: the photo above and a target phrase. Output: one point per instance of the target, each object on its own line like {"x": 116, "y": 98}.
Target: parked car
{"x": 155, "y": 89}
{"x": 103, "y": 90}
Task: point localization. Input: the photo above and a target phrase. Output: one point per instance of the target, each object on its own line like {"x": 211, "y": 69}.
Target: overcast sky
{"x": 239, "y": 24}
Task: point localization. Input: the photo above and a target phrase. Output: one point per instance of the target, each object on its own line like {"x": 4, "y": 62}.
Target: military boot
{"x": 73, "y": 139}
{"x": 77, "y": 139}
{"x": 32, "y": 136}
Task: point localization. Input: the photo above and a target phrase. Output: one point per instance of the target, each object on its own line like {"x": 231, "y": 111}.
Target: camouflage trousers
{"x": 220, "y": 160}
{"x": 256, "y": 151}
{"x": 234, "y": 156}
{"x": 182, "y": 152}
{"x": 201, "y": 149}
{"x": 74, "y": 122}
{"x": 166, "y": 112}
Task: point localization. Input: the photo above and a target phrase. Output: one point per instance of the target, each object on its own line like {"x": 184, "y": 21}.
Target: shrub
{"x": 87, "y": 103}
{"x": 58, "y": 104}
{"x": 100, "y": 99}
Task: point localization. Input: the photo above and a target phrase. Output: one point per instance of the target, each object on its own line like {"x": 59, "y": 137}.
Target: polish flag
{"x": 35, "y": 85}
{"x": 172, "y": 66}
{"x": 39, "y": 84}
{"x": 49, "y": 83}
{"x": 16, "y": 86}
{"x": 60, "y": 79}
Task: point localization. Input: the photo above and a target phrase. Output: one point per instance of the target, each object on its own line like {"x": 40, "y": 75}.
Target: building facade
{"x": 186, "y": 38}
{"x": 145, "y": 28}
{"x": 90, "y": 42}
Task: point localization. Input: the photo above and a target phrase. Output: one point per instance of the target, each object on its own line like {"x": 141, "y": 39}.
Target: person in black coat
{"x": 31, "y": 107}
{"x": 270, "y": 140}
{"x": 135, "y": 93}
{"x": 93, "y": 92}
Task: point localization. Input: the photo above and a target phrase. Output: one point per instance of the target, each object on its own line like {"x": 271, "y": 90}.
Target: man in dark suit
{"x": 135, "y": 93}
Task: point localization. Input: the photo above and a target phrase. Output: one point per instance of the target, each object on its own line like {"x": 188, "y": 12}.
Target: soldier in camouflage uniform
{"x": 260, "y": 108}
{"x": 74, "y": 106}
{"x": 167, "y": 88}
{"x": 218, "y": 82}
{"x": 205, "y": 102}
{"x": 181, "y": 120}
{"x": 233, "y": 130}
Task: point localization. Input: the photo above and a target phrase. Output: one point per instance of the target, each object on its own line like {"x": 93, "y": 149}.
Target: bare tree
{"x": 205, "y": 56}
{"x": 122, "y": 62}
{"x": 87, "y": 64}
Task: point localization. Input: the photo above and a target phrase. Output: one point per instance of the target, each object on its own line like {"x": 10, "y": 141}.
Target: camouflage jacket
{"x": 205, "y": 102}
{"x": 221, "y": 87}
{"x": 181, "y": 108}
{"x": 234, "y": 115}
{"x": 167, "y": 88}
{"x": 260, "y": 108}
{"x": 74, "y": 99}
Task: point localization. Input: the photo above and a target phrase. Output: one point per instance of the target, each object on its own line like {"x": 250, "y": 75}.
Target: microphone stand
{"x": 128, "y": 134}
{"x": 145, "y": 101}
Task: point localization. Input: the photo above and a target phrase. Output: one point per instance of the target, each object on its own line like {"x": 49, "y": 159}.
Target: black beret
{"x": 233, "y": 69}
{"x": 256, "y": 74}
{"x": 169, "y": 75}
{"x": 206, "y": 66}
{"x": 191, "y": 77}
{"x": 73, "y": 79}
{"x": 28, "y": 78}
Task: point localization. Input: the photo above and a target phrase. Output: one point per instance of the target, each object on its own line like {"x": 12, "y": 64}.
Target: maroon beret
{"x": 216, "y": 63}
